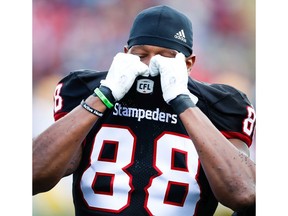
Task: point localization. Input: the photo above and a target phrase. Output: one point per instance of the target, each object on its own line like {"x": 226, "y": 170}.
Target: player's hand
{"x": 122, "y": 73}
{"x": 174, "y": 81}
{"x": 173, "y": 73}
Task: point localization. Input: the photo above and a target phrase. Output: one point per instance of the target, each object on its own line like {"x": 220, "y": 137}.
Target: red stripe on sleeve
{"x": 237, "y": 135}
{"x": 59, "y": 115}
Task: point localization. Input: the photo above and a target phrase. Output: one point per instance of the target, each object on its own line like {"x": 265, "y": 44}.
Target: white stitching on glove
{"x": 122, "y": 73}
{"x": 173, "y": 75}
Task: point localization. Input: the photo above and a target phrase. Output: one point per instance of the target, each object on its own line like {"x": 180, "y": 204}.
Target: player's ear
{"x": 190, "y": 60}
{"x": 126, "y": 49}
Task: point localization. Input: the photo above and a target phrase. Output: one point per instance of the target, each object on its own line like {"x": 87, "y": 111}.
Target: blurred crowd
{"x": 76, "y": 34}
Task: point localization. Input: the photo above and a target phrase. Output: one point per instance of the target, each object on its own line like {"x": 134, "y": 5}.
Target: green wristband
{"x": 103, "y": 98}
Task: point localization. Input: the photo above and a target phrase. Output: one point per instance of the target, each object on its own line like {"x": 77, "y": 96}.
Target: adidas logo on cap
{"x": 180, "y": 35}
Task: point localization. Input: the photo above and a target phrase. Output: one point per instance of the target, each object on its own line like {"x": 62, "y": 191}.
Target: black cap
{"x": 162, "y": 26}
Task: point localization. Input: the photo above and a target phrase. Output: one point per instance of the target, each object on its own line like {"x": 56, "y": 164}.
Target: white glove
{"x": 173, "y": 76}
{"x": 122, "y": 73}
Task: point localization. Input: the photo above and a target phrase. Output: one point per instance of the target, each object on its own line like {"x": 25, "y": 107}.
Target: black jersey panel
{"x": 145, "y": 119}
{"x": 75, "y": 87}
{"x": 225, "y": 106}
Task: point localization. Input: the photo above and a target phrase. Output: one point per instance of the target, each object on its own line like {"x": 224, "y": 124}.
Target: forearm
{"x": 231, "y": 174}
{"x": 54, "y": 149}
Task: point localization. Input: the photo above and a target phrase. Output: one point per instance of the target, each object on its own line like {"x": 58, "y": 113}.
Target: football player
{"x": 144, "y": 138}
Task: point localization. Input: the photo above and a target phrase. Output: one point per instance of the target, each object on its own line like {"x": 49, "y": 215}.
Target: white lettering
{"x": 174, "y": 119}
{"x": 148, "y": 114}
{"x": 140, "y": 114}
{"x": 145, "y": 86}
{"x": 180, "y": 38}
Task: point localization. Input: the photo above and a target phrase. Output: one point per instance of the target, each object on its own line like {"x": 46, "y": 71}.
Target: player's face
{"x": 146, "y": 52}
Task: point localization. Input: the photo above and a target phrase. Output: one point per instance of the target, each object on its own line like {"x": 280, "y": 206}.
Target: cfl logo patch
{"x": 145, "y": 86}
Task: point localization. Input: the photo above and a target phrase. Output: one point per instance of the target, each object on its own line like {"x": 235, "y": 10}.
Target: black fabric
{"x": 150, "y": 28}
{"x": 108, "y": 93}
{"x": 159, "y": 118}
{"x": 181, "y": 103}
